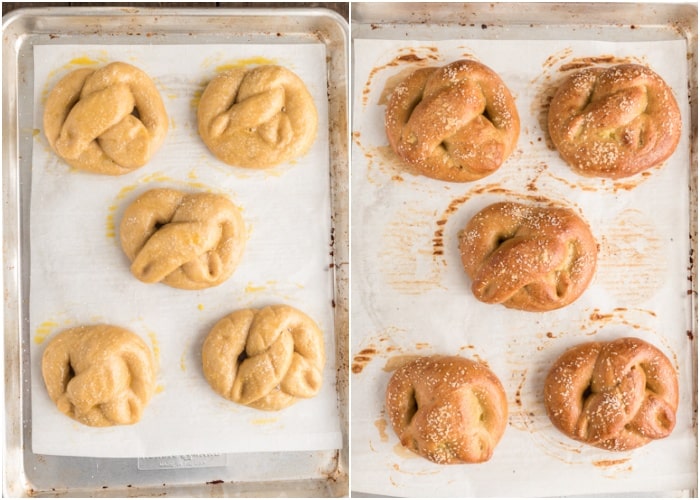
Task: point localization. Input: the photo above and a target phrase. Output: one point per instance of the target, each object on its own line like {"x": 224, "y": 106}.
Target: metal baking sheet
{"x": 314, "y": 473}
{"x": 415, "y": 274}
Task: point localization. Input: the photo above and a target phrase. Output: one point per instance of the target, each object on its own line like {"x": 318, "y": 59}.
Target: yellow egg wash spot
{"x": 196, "y": 96}
{"x": 252, "y": 288}
{"x": 183, "y": 365}
{"x": 263, "y": 421}
{"x": 35, "y": 132}
{"x": 241, "y": 63}
{"x": 83, "y": 61}
{"x": 160, "y": 388}
{"x": 44, "y": 330}
{"x": 200, "y": 307}
{"x": 154, "y": 344}
{"x": 171, "y": 96}
{"x": 192, "y": 174}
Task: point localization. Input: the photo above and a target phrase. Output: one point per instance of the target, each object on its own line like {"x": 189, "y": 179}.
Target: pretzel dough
{"x": 448, "y": 409}
{"x": 614, "y": 122}
{"x": 108, "y": 121}
{"x": 189, "y": 241}
{"x": 265, "y": 358}
{"x": 454, "y": 123}
{"x": 99, "y": 375}
{"x": 257, "y": 118}
{"x": 615, "y": 395}
{"x": 527, "y": 257}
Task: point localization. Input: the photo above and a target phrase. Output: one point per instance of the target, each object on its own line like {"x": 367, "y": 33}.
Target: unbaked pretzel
{"x": 528, "y": 257}
{"x": 614, "y": 122}
{"x": 616, "y": 395}
{"x": 257, "y": 118}
{"x": 99, "y": 375}
{"x": 447, "y": 409}
{"x": 108, "y": 121}
{"x": 264, "y": 358}
{"x": 455, "y": 123}
{"x": 189, "y": 241}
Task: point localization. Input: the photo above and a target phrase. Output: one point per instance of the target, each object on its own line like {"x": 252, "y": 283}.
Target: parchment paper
{"x": 79, "y": 274}
{"x": 410, "y": 294}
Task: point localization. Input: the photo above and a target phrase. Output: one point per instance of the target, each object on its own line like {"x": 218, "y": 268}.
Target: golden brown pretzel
{"x": 109, "y": 121}
{"x": 454, "y": 123}
{"x": 448, "y": 409}
{"x": 257, "y": 118}
{"x": 528, "y": 257}
{"x": 616, "y": 395}
{"x": 614, "y": 122}
{"x": 99, "y": 375}
{"x": 265, "y": 358}
{"x": 189, "y": 241}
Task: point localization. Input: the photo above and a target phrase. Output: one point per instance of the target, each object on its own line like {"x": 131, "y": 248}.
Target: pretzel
{"x": 447, "y": 409}
{"x": 99, "y": 375}
{"x": 264, "y": 358}
{"x": 616, "y": 395}
{"x": 190, "y": 241}
{"x": 257, "y": 118}
{"x": 107, "y": 121}
{"x": 614, "y": 122}
{"x": 528, "y": 257}
{"x": 455, "y": 123}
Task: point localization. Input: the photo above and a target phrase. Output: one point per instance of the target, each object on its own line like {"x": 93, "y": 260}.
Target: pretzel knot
{"x": 447, "y": 409}
{"x": 615, "y": 395}
{"x": 264, "y": 358}
{"x": 189, "y": 241}
{"x": 527, "y": 257}
{"x": 257, "y": 118}
{"x": 99, "y": 375}
{"x": 454, "y": 123}
{"x": 614, "y": 122}
{"x": 109, "y": 121}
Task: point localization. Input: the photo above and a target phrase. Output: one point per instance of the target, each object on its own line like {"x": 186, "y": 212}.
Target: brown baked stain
{"x": 630, "y": 241}
{"x": 597, "y": 316}
{"x": 610, "y": 463}
{"x": 381, "y": 425}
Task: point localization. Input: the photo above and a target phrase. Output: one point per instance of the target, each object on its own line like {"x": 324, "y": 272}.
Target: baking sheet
{"x": 411, "y": 296}
{"x": 81, "y": 276}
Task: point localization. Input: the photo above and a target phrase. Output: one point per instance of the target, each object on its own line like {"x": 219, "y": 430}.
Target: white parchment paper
{"x": 410, "y": 294}
{"x": 79, "y": 274}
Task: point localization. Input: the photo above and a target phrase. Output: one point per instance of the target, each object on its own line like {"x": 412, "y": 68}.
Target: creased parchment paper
{"x": 79, "y": 274}
{"x": 410, "y": 294}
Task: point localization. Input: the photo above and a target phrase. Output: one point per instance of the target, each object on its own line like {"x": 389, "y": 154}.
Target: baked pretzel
{"x": 257, "y": 118}
{"x": 108, "y": 121}
{"x": 447, "y": 409}
{"x": 454, "y": 123}
{"x": 528, "y": 257}
{"x": 614, "y": 122}
{"x": 264, "y": 358}
{"x": 99, "y": 375}
{"x": 189, "y": 241}
{"x": 616, "y": 395}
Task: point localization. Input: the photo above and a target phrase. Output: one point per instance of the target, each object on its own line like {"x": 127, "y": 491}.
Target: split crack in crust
{"x": 614, "y": 122}
{"x": 257, "y": 118}
{"x": 108, "y": 121}
{"x": 189, "y": 241}
{"x": 448, "y": 409}
{"x": 454, "y": 123}
{"x": 99, "y": 375}
{"x": 528, "y": 257}
{"x": 264, "y": 358}
{"x": 616, "y": 395}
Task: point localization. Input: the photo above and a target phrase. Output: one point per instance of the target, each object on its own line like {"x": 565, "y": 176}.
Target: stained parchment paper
{"x": 79, "y": 274}
{"x": 411, "y": 296}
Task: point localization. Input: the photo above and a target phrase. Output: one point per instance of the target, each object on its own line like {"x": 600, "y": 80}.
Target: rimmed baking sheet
{"x": 203, "y": 42}
{"x": 411, "y": 296}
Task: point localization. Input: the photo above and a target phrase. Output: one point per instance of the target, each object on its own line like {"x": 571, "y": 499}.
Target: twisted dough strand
{"x": 99, "y": 375}
{"x": 615, "y": 395}
{"x": 189, "y": 241}
{"x": 527, "y": 257}
{"x": 614, "y": 122}
{"x": 109, "y": 121}
{"x": 456, "y": 123}
{"x": 264, "y": 358}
